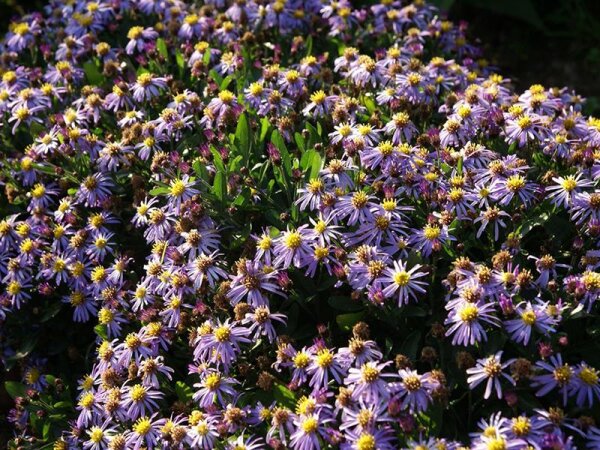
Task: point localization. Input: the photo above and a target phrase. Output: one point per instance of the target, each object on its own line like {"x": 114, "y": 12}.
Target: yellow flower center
{"x": 366, "y": 441}
{"x": 431, "y": 232}
{"x": 177, "y": 188}
{"x": 563, "y": 374}
{"x": 515, "y": 183}
{"x": 143, "y": 426}
{"x": 301, "y": 360}
{"x": 469, "y": 313}
{"x": 212, "y": 381}
{"x": 293, "y": 240}
{"x": 528, "y": 318}
{"x": 496, "y": 444}
{"x": 569, "y": 184}
{"x": 134, "y": 32}
{"x": 222, "y": 334}
{"x": 369, "y": 373}
{"x": 589, "y": 376}
{"x": 318, "y": 97}
{"x": 138, "y": 393}
{"x": 226, "y": 97}
{"x": 521, "y": 426}
{"x": 310, "y": 425}
{"x": 324, "y": 358}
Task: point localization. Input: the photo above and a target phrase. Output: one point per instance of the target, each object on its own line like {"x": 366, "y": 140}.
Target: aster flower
{"x": 252, "y": 283}
{"x": 530, "y": 317}
{"x": 181, "y": 190}
{"x": 147, "y": 86}
{"x": 414, "y": 390}
{"x": 505, "y": 189}
{"x": 381, "y": 439}
{"x": 222, "y": 344}
{"x": 491, "y": 215}
{"x": 203, "y": 434}
{"x": 586, "y": 385}
{"x": 214, "y": 387}
{"x": 430, "y": 238}
{"x": 138, "y": 36}
{"x": 139, "y": 399}
{"x": 466, "y": 320}
{"x": 311, "y": 195}
{"x": 368, "y": 382}
{"x": 359, "y": 352}
{"x": 403, "y": 282}
{"x": 325, "y": 363}
{"x": 559, "y": 376}
{"x": 562, "y": 192}
{"x": 94, "y": 189}
{"x": 490, "y": 369}
{"x": 99, "y": 436}
{"x": 246, "y": 443}
{"x": 292, "y": 247}
{"x": 145, "y": 432}
{"x": 523, "y": 129}
{"x": 261, "y": 322}
{"x": 308, "y": 430}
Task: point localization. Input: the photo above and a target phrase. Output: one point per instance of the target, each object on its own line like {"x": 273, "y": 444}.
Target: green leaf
{"x": 347, "y": 321}
{"x": 161, "y": 46}
{"x": 299, "y": 139}
{"x": 225, "y": 83}
{"x": 180, "y": 60}
{"x": 15, "y": 389}
{"x": 93, "y": 75}
{"x": 343, "y": 303}
{"x": 219, "y": 186}
{"x": 160, "y": 190}
{"x": 102, "y": 331}
{"x": 217, "y": 159}
{"x": 265, "y": 126}
{"x": 277, "y": 140}
{"x": 51, "y": 311}
{"x": 284, "y": 396}
{"x": 410, "y": 346}
{"x": 183, "y": 391}
{"x": 216, "y": 77}
{"x": 243, "y": 136}
{"x": 200, "y": 170}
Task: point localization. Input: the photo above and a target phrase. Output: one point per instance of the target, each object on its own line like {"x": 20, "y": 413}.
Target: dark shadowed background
{"x": 552, "y": 42}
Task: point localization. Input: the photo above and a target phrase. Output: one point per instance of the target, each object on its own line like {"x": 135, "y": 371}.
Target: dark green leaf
{"x": 347, "y": 321}
{"x": 161, "y": 46}
{"x": 15, "y": 389}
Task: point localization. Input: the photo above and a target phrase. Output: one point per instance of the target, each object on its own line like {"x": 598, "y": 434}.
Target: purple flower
{"x": 145, "y": 432}
{"x": 292, "y": 247}
{"x": 403, "y": 282}
{"x": 221, "y": 344}
{"x": 147, "y": 86}
{"x": 324, "y": 364}
{"x": 465, "y": 321}
{"x": 214, "y": 387}
{"x": 138, "y": 36}
{"x": 414, "y": 390}
{"x": 430, "y": 238}
{"x": 559, "y": 376}
{"x": 139, "y": 399}
{"x": 308, "y": 429}
{"x": 586, "y": 385}
{"x": 490, "y": 369}
{"x": 252, "y": 283}
{"x": 368, "y": 382}
{"x": 530, "y": 317}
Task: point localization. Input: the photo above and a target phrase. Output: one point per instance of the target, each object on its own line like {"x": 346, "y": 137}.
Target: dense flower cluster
{"x": 291, "y": 224}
